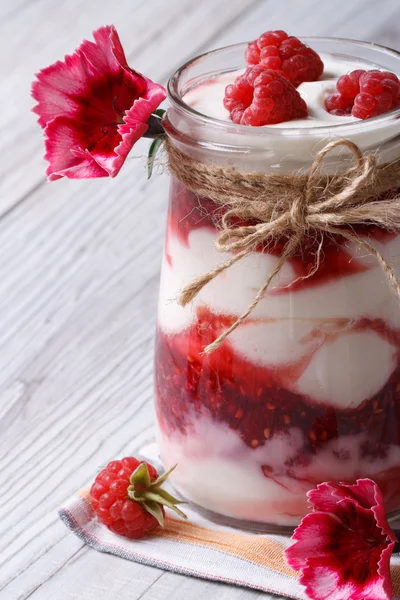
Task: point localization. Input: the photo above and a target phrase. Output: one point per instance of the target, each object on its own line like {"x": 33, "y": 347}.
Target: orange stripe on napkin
{"x": 255, "y": 548}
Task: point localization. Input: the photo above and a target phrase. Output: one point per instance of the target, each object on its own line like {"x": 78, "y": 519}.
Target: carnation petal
{"x": 105, "y": 53}
{"x": 343, "y": 547}
{"x": 65, "y": 155}
{"x": 313, "y": 537}
{"x": 116, "y": 46}
{"x": 58, "y": 86}
{"x": 321, "y": 583}
{"x": 143, "y": 107}
{"x": 112, "y": 163}
{"x": 323, "y": 497}
{"x": 326, "y": 495}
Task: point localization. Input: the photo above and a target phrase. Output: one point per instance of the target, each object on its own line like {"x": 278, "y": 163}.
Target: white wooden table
{"x": 79, "y": 277}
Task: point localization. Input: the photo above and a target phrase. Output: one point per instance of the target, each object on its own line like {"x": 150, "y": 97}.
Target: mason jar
{"x": 307, "y": 388}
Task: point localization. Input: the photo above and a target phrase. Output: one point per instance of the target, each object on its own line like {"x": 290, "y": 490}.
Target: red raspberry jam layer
{"x": 253, "y": 400}
{"x": 188, "y": 213}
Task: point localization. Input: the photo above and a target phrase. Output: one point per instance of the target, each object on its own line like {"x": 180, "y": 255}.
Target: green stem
{"x": 155, "y": 130}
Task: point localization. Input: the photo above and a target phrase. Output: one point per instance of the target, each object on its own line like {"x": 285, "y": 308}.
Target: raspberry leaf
{"x": 164, "y": 476}
{"x": 150, "y": 495}
{"x": 160, "y": 499}
{"x": 154, "y": 509}
{"x": 140, "y": 478}
{"x": 164, "y": 494}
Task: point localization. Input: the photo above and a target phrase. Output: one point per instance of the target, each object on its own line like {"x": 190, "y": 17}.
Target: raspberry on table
{"x": 365, "y": 94}
{"x": 128, "y": 498}
{"x": 262, "y": 96}
{"x": 286, "y": 54}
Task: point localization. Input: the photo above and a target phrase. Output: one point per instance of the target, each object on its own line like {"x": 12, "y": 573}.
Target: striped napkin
{"x": 200, "y": 548}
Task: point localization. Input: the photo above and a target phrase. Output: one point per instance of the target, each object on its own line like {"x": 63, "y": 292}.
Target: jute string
{"x": 292, "y": 208}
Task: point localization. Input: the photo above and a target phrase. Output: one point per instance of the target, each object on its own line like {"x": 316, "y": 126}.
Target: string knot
{"x": 298, "y": 213}
{"x": 287, "y": 207}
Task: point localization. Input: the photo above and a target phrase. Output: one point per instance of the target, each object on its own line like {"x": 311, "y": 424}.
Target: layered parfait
{"x": 307, "y": 389}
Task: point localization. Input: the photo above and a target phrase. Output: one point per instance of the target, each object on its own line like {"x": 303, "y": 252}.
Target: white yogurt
{"x": 345, "y": 372}
{"x": 352, "y": 297}
{"x": 212, "y": 460}
{"x": 208, "y": 97}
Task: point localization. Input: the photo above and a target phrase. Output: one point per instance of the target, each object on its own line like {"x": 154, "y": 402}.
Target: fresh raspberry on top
{"x": 348, "y": 85}
{"x": 338, "y": 105}
{"x": 263, "y": 97}
{"x": 365, "y": 94}
{"x": 288, "y": 55}
{"x": 128, "y": 498}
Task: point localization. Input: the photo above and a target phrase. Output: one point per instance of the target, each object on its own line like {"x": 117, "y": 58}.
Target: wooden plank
{"x": 134, "y": 581}
{"x": 70, "y": 283}
{"x": 358, "y": 19}
{"x": 8, "y": 10}
{"x": 79, "y": 275}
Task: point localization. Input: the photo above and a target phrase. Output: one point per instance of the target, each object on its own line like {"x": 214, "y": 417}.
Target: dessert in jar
{"x": 307, "y": 388}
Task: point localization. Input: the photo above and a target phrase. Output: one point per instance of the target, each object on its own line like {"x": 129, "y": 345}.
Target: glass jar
{"x": 307, "y": 389}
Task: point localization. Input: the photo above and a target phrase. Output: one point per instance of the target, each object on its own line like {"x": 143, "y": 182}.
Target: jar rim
{"x": 177, "y": 101}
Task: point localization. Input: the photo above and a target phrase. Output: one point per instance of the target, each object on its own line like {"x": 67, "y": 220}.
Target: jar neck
{"x": 269, "y": 149}
{"x": 279, "y": 156}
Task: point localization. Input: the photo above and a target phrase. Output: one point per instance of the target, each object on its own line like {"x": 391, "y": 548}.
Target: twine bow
{"x": 291, "y": 208}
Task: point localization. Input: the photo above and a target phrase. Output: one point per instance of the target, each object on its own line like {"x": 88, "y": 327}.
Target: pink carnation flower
{"x": 343, "y": 547}
{"x": 93, "y": 108}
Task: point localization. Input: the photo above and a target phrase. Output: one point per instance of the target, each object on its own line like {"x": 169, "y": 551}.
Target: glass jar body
{"x": 306, "y": 390}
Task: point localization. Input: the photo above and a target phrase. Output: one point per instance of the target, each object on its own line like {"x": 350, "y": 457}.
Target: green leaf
{"x": 134, "y": 494}
{"x": 153, "y": 497}
{"x": 150, "y": 496}
{"x": 154, "y": 147}
{"x": 155, "y": 510}
{"x": 179, "y": 512}
{"x": 164, "y": 494}
{"x": 141, "y": 476}
{"x": 163, "y": 477}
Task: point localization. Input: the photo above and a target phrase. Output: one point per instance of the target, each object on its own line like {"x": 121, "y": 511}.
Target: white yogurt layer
{"x": 212, "y": 460}
{"x": 289, "y": 145}
{"x": 351, "y": 297}
{"x": 345, "y": 372}
{"x": 343, "y": 367}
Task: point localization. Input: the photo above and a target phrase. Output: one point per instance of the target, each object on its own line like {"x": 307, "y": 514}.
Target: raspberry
{"x": 348, "y": 85}
{"x": 365, "y": 94}
{"x": 127, "y": 497}
{"x": 336, "y": 102}
{"x": 288, "y": 55}
{"x": 262, "y": 97}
